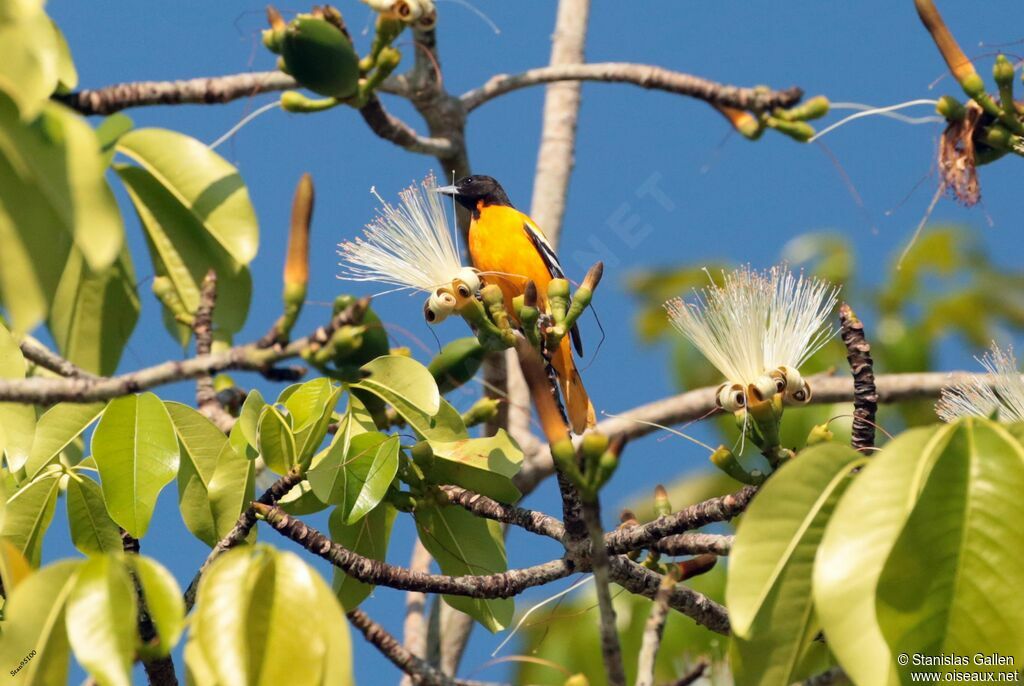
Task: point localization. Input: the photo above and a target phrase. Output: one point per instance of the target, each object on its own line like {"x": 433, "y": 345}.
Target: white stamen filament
{"x": 1002, "y": 396}
{"x": 408, "y": 245}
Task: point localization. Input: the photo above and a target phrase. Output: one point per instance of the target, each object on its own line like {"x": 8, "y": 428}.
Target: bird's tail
{"x": 574, "y": 395}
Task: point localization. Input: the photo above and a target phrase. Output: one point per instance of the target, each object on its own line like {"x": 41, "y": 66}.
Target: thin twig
{"x": 246, "y": 521}
{"x": 696, "y": 672}
{"x": 865, "y": 395}
{"x": 640, "y": 580}
{"x": 159, "y": 670}
{"x": 643, "y": 75}
{"x": 499, "y": 585}
{"x": 38, "y": 354}
{"x": 611, "y": 651}
{"x": 202, "y": 327}
{"x": 720, "y": 509}
{"x": 482, "y": 506}
{"x": 653, "y": 630}
{"x": 391, "y": 128}
{"x": 421, "y": 671}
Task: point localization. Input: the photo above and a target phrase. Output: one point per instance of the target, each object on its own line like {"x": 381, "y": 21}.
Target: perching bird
{"x": 509, "y": 249}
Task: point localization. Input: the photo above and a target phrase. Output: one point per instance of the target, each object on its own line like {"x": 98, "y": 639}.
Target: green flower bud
{"x": 724, "y": 459}
{"x": 558, "y": 299}
{"x": 423, "y": 456}
{"x": 563, "y": 453}
{"x": 483, "y": 410}
{"x": 797, "y": 130}
{"x": 294, "y": 101}
{"x": 950, "y": 108}
{"x": 1002, "y": 71}
{"x": 320, "y": 57}
{"x": 820, "y": 433}
{"x": 457, "y": 363}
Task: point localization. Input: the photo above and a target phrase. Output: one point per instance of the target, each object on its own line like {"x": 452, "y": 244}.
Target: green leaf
{"x": 28, "y": 513}
{"x": 769, "y": 584}
{"x": 109, "y": 132}
{"x": 163, "y": 602}
{"x": 245, "y": 432}
{"x": 368, "y": 537}
{"x": 101, "y": 617}
{"x": 29, "y": 56}
{"x": 952, "y": 582}
{"x": 276, "y": 441}
{"x": 311, "y": 407}
{"x": 355, "y": 474}
{"x": 214, "y": 481}
{"x": 402, "y": 382}
{"x": 183, "y": 251}
{"x": 136, "y": 452}
{"x": 203, "y": 182}
{"x": 56, "y": 429}
{"x": 92, "y": 529}
{"x": 14, "y": 568}
{"x": 464, "y": 544}
{"x": 67, "y": 75}
{"x": 94, "y": 313}
{"x": 484, "y": 465}
{"x": 264, "y": 617}
{"x": 858, "y": 539}
{"x": 17, "y": 421}
{"x": 34, "y": 619}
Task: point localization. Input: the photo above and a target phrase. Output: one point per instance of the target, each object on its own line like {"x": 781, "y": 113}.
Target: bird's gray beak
{"x": 447, "y": 190}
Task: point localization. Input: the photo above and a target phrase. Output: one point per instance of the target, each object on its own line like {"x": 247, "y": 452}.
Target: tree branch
{"x": 202, "y": 327}
{"x": 43, "y": 391}
{"x": 379, "y": 573}
{"x": 643, "y": 75}
{"x": 694, "y": 544}
{"x": 199, "y": 91}
{"x": 414, "y": 630}
{"x": 653, "y": 630}
{"x": 700, "y": 403}
{"x": 393, "y": 129}
{"x": 611, "y": 651}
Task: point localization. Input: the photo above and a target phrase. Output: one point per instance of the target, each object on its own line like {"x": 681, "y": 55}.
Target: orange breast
{"x": 504, "y": 254}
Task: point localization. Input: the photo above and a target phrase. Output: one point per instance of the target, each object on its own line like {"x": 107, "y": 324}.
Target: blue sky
{"x": 725, "y": 198}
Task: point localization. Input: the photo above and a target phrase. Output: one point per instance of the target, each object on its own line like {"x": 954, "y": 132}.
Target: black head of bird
{"x": 473, "y": 191}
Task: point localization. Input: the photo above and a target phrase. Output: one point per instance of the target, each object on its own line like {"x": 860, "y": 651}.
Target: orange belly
{"x": 505, "y": 255}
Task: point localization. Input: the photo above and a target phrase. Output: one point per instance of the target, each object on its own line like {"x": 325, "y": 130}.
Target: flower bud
{"x": 423, "y": 456}
{"x": 820, "y": 433}
{"x": 320, "y": 57}
{"x": 457, "y": 363}
{"x": 662, "y": 506}
{"x": 1002, "y": 71}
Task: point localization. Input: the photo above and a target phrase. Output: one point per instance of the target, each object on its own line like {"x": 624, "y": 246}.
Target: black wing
{"x": 547, "y": 254}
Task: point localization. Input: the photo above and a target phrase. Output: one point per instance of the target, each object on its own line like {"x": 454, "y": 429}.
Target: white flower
{"x": 410, "y": 246}
{"x": 757, "y": 329}
{"x": 1002, "y": 396}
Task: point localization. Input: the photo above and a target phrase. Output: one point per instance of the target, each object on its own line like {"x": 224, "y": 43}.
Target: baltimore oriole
{"x": 509, "y": 249}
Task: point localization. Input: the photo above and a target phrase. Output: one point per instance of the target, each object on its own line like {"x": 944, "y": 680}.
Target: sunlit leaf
{"x": 136, "y": 452}
{"x": 28, "y": 513}
{"x": 276, "y": 441}
{"x": 29, "y": 56}
{"x": 264, "y": 617}
{"x": 34, "y": 620}
{"x": 770, "y": 566}
{"x": 203, "y": 182}
{"x": 92, "y": 529}
{"x": 183, "y": 250}
{"x": 163, "y": 602}
{"x": 14, "y": 568}
{"x": 483, "y": 465}
{"x": 56, "y": 429}
{"x": 355, "y": 474}
{"x": 101, "y": 616}
{"x": 17, "y": 421}
{"x": 857, "y": 541}
{"x": 402, "y": 382}
{"x": 465, "y": 544}
{"x": 367, "y": 537}
{"x": 94, "y": 313}
{"x": 951, "y": 584}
